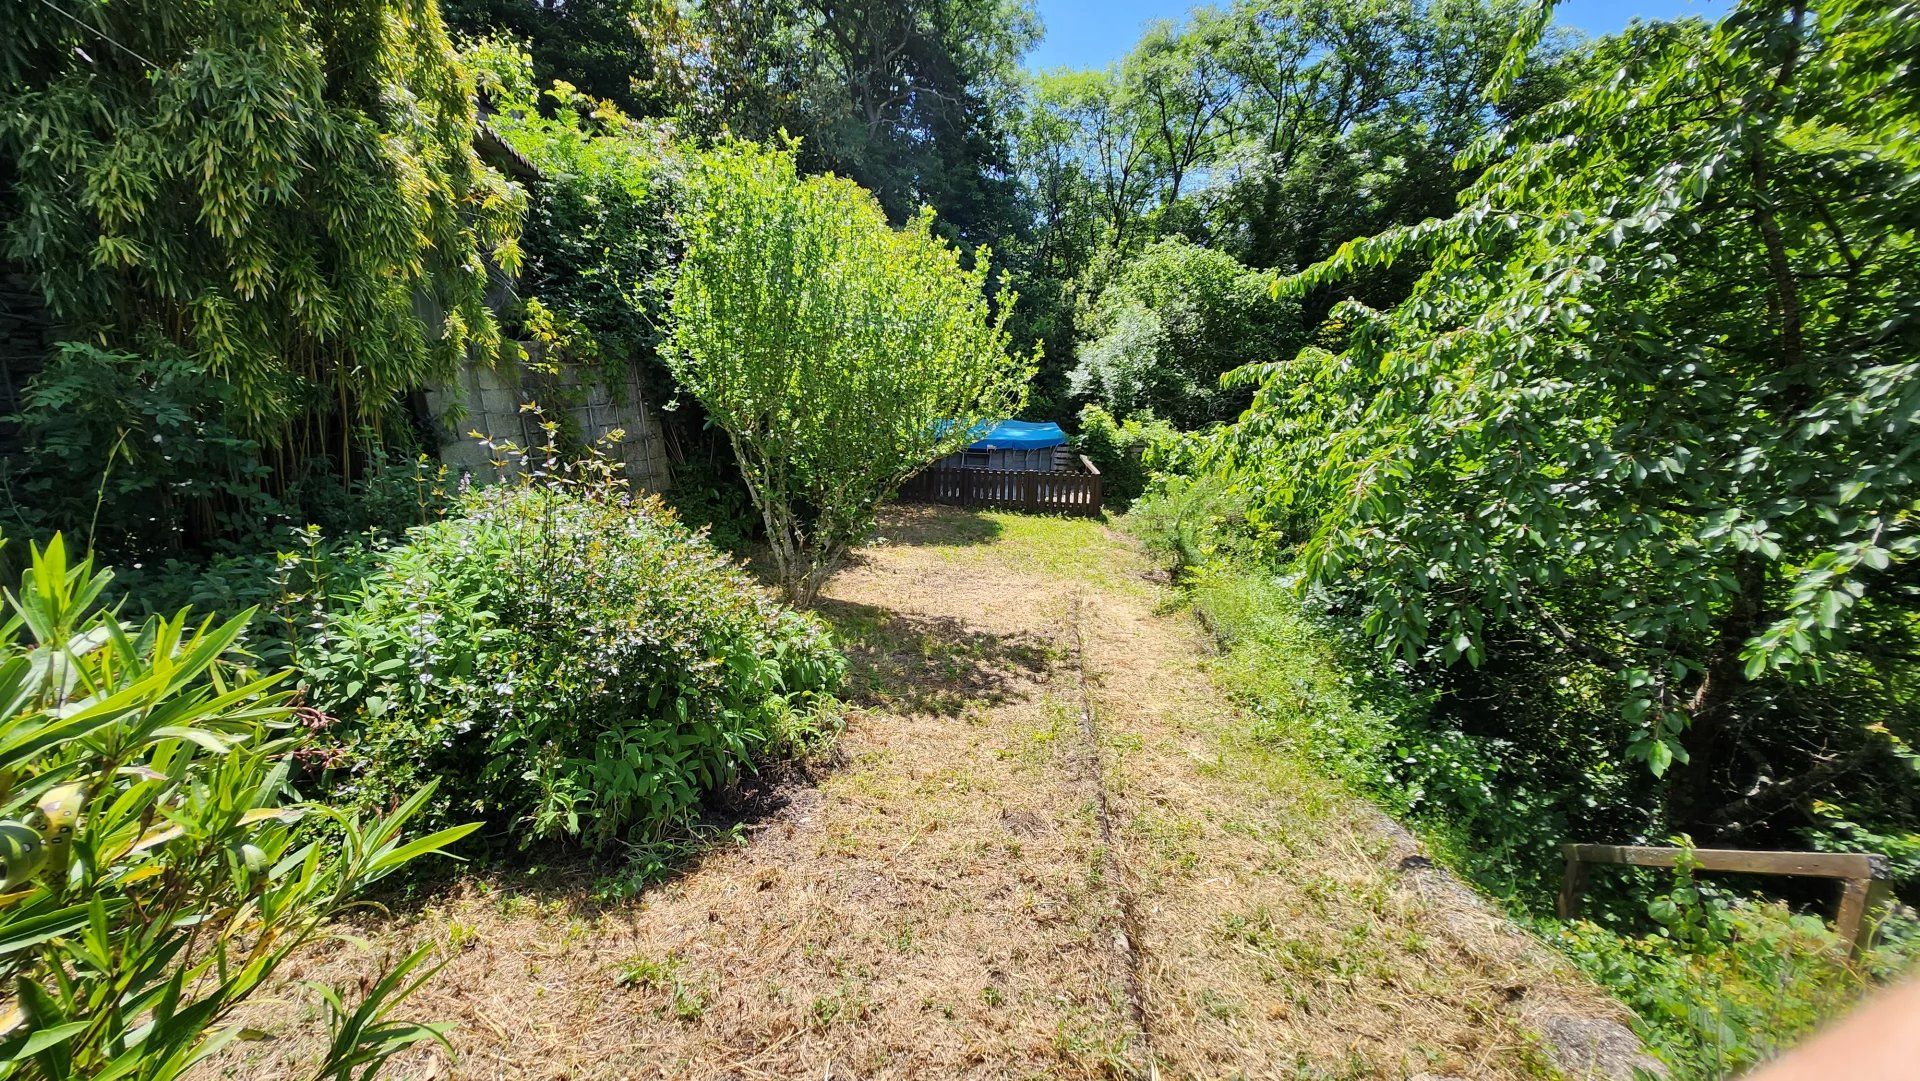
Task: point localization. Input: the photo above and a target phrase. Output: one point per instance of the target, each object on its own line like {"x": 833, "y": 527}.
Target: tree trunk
{"x": 1696, "y": 791}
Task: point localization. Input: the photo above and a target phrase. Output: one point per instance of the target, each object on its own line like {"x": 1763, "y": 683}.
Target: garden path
{"x": 1044, "y": 848}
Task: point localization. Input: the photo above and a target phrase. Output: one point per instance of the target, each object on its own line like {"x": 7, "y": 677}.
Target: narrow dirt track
{"x": 1043, "y": 850}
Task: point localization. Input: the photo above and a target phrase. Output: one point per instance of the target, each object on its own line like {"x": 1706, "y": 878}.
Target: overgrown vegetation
{"x": 1534, "y": 420}
{"x": 1672, "y": 443}
{"x": 1126, "y": 452}
{"x": 569, "y": 663}
{"x": 1720, "y": 980}
{"x": 1171, "y": 322}
{"x": 1616, "y": 506}
{"x": 257, "y": 224}
{"x": 157, "y": 871}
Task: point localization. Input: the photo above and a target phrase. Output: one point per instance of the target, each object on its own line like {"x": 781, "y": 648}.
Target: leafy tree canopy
{"x": 1652, "y": 404}
{"x": 1170, "y": 323}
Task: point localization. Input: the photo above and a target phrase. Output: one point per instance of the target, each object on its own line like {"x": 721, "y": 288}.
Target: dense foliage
{"x": 570, "y": 663}
{"x": 636, "y": 55}
{"x": 1171, "y": 322}
{"x": 839, "y": 355}
{"x": 1126, "y": 452}
{"x": 1269, "y": 131}
{"x": 273, "y": 218}
{"x": 1719, "y": 982}
{"x": 597, "y": 243}
{"x": 908, "y": 100}
{"x": 1621, "y": 497}
{"x": 1652, "y": 407}
{"x": 155, "y": 871}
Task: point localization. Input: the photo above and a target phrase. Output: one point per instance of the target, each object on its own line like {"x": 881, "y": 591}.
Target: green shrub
{"x": 573, "y": 664}
{"x": 1724, "y": 982}
{"x": 1188, "y": 521}
{"x": 840, "y": 355}
{"x": 1122, "y": 450}
{"x": 154, "y": 874}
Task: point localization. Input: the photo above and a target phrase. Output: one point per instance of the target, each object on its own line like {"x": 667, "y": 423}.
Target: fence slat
{"x": 1010, "y": 489}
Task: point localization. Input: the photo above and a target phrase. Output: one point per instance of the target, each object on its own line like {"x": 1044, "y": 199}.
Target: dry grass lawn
{"x": 1036, "y": 853}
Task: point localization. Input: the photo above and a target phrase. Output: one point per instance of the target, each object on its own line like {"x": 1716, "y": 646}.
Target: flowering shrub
{"x": 569, "y": 663}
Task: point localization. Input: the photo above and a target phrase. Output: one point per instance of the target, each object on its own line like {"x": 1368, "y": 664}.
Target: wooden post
{"x": 1573, "y": 884}
{"x": 1860, "y": 898}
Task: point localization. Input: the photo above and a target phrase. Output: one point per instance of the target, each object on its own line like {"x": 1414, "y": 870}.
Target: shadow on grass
{"x": 938, "y": 665}
{"x": 559, "y": 876}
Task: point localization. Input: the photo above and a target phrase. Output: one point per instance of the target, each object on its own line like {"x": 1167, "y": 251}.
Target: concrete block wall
{"x": 487, "y": 399}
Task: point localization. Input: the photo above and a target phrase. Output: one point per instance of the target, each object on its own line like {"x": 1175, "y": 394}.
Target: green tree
{"x": 840, "y": 355}
{"x": 1180, "y": 91}
{"x": 155, "y": 874}
{"x": 638, "y": 54}
{"x": 1653, "y": 405}
{"x": 1086, "y": 119}
{"x": 1173, "y": 319}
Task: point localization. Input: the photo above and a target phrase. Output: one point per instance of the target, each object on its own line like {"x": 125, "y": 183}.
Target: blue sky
{"x": 1094, "y": 33}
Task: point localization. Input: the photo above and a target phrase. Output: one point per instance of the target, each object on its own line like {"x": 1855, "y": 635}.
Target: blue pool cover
{"x": 1018, "y": 435}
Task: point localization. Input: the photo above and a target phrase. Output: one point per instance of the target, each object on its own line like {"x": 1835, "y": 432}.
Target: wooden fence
{"x": 1864, "y": 878}
{"x": 1008, "y": 489}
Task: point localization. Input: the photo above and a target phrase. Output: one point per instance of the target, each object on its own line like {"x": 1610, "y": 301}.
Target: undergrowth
{"x": 1718, "y": 981}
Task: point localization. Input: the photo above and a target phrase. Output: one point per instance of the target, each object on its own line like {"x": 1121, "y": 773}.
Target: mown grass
{"x": 1049, "y": 546}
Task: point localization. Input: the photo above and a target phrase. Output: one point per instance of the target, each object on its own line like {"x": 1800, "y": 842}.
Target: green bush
{"x": 840, "y": 355}
{"x": 572, "y": 664}
{"x": 1190, "y": 520}
{"x": 1724, "y": 983}
{"x": 1123, "y": 451}
{"x": 154, "y": 872}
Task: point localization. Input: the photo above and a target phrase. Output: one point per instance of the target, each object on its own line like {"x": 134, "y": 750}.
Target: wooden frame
{"x": 1864, "y": 878}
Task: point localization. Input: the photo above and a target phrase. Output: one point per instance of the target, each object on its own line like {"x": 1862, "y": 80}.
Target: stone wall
{"x": 487, "y": 399}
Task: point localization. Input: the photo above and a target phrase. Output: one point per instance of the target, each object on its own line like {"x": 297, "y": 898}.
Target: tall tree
{"x": 1653, "y": 405}
{"x": 1088, "y": 121}
{"x": 1180, "y": 90}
